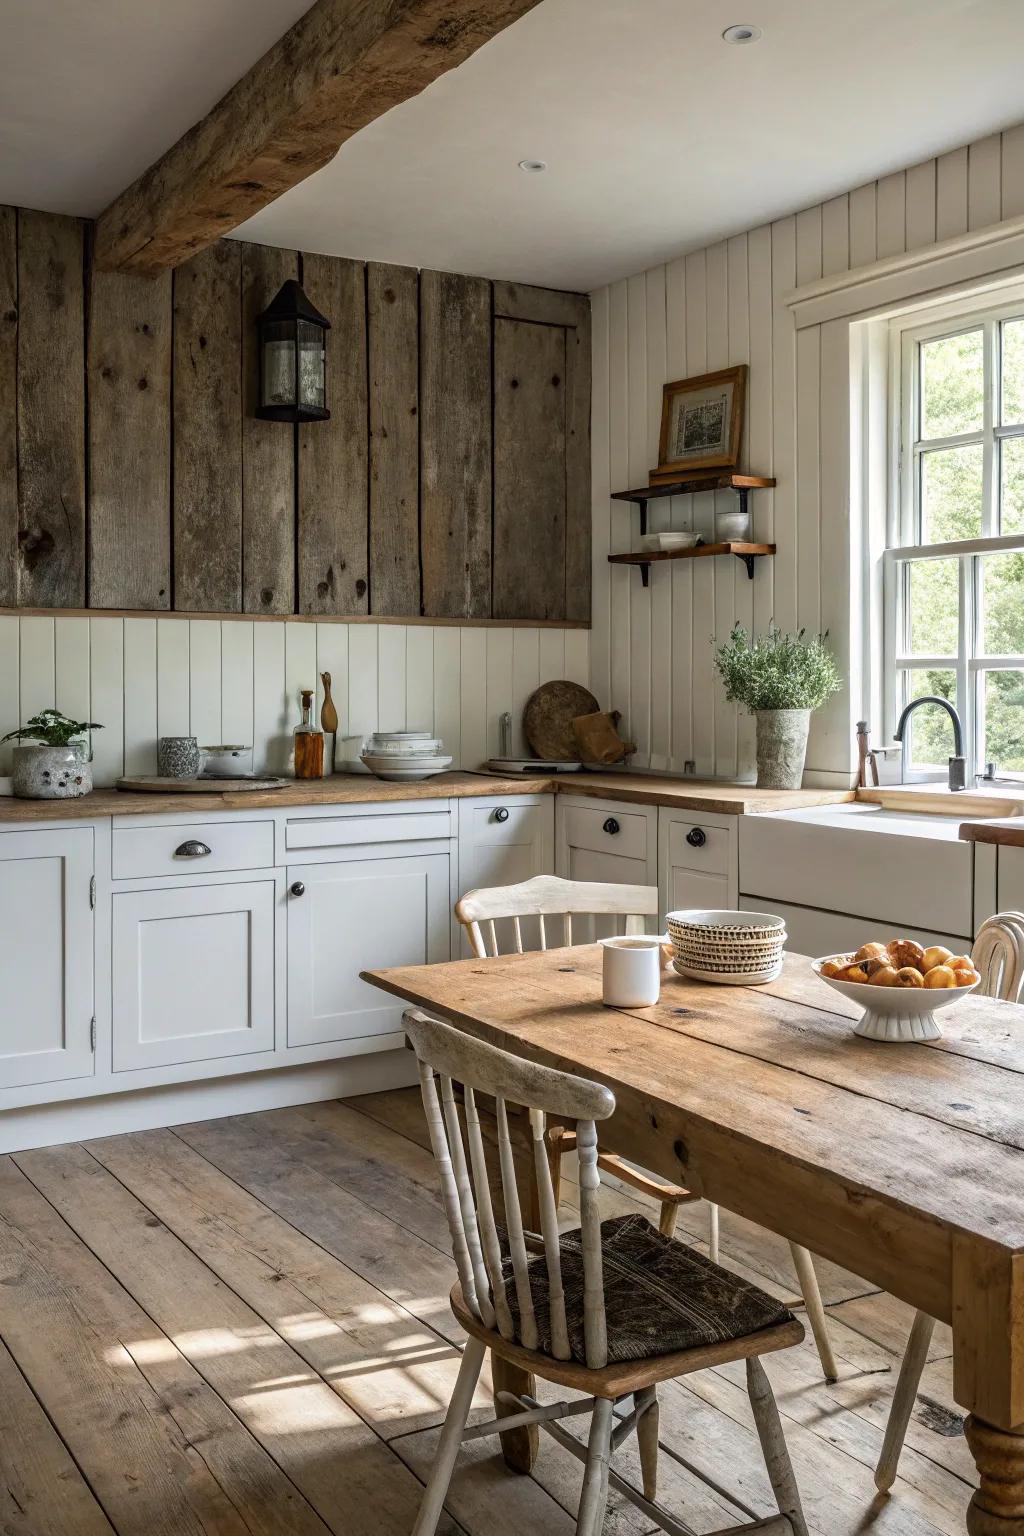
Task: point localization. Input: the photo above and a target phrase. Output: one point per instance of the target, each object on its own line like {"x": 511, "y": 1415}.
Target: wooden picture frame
{"x": 706, "y": 430}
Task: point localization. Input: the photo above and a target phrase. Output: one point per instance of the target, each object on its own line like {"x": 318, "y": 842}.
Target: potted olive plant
{"x": 58, "y": 767}
{"x": 779, "y": 678}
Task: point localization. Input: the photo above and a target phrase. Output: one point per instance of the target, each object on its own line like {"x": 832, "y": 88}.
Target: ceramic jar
{"x": 51, "y": 773}
{"x": 177, "y": 757}
{"x": 781, "y": 747}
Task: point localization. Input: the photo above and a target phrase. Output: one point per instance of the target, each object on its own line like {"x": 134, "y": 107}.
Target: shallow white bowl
{"x": 897, "y": 1015}
{"x": 431, "y": 746}
{"x": 405, "y": 769}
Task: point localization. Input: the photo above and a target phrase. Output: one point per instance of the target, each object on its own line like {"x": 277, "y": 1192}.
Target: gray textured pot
{"x": 50, "y": 773}
{"x": 781, "y": 747}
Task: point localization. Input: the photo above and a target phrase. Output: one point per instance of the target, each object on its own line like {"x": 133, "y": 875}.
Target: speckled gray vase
{"x": 781, "y": 747}
{"x": 50, "y": 773}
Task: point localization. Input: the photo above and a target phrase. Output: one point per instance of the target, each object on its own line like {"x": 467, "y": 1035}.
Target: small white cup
{"x": 631, "y": 971}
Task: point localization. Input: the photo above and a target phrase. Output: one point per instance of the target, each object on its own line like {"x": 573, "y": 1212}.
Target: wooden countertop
{"x": 359, "y": 789}
{"x": 1008, "y": 831}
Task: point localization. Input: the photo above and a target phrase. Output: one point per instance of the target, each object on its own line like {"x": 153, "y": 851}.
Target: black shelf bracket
{"x": 643, "y": 522}
{"x": 748, "y": 561}
{"x": 645, "y": 572}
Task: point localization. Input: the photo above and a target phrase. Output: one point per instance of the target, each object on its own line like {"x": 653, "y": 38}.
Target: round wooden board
{"x": 154, "y": 784}
{"x": 548, "y": 717}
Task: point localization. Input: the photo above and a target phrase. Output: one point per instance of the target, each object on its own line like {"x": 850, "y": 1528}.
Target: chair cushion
{"x": 660, "y": 1295}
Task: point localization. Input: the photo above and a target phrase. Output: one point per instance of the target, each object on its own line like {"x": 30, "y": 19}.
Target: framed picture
{"x": 702, "y": 422}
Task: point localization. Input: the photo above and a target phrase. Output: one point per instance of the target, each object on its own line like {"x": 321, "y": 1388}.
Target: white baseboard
{"x": 212, "y": 1099}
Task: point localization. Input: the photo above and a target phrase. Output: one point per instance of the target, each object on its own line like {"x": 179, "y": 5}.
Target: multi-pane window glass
{"x": 957, "y": 627}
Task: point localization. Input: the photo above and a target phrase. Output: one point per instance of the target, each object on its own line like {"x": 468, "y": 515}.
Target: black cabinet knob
{"x": 696, "y": 837}
{"x": 193, "y": 849}
{"x": 298, "y": 889}
{"x": 611, "y": 826}
{"x": 501, "y": 814}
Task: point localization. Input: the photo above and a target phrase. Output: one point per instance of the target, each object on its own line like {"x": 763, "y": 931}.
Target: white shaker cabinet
{"x": 697, "y": 860}
{"x": 605, "y": 840}
{"x": 194, "y": 970}
{"x": 1010, "y": 879}
{"x": 46, "y": 957}
{"x": 356, "y": 915}
{"x": 504, "y": 842}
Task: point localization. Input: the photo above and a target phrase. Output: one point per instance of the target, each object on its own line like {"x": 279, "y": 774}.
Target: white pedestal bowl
{"x": 896, "y": 1015}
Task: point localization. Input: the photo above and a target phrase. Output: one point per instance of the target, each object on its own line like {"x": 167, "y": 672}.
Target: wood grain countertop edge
{"x": 357, "y": 789}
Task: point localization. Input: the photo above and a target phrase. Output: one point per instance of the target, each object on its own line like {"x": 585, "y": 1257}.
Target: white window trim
{"x": 903, "y": 520}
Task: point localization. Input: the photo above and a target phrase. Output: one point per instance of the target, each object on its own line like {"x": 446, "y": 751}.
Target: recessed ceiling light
{"x": 742, "y": 32}
{"x": 533, "y": 165}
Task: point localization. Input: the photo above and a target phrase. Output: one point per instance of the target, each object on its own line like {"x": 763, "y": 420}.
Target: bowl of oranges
{"x": 900, "y": 984}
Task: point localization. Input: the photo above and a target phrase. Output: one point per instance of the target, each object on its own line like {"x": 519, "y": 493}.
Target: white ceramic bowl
{"x": 739, "y": 978}
{"x": 404, "y": 769}
{"x": 897, "y": 1015}
{"x": 430, "y": 746}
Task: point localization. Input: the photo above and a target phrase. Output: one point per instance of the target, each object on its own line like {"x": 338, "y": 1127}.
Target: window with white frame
{"x": 954, "y": 568}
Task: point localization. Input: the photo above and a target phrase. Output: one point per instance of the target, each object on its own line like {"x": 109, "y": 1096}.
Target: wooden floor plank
{"x": 235, "y": 1326}
{"x": 407, "y": 1269}
{"x": 160, "y": 1451}
{"x": 42, "y": 1492}
{"x": 337, "y": 1463}
{"x": 395, "y": 1373}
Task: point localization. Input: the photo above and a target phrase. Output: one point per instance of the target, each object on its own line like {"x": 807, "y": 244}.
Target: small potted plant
{"x": 58, "y": 767}
{"x": 779, "y": 678}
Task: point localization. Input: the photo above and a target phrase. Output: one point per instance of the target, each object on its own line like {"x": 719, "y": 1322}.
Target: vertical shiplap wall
{"x": 238, "y": 680}
{"x": 651, "y": 651}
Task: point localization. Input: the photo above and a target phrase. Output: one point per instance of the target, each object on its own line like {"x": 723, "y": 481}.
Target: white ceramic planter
{"x": 51, "y": 773}
{"x": 781, "y": 747}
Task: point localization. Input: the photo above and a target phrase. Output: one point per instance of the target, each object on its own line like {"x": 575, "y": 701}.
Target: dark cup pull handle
{"x": 193, "y": 849}
{"x": 501, "y": 814}
{"x": 611, "y": 826}
{"x": 696, "y": 837}
{"x": 297, "y": 888}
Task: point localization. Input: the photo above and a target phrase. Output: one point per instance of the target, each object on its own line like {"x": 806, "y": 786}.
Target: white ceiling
{"x": 658, "y": 136}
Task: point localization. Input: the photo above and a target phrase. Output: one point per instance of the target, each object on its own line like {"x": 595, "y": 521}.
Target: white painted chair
{"x": 550, "y": 899}
{"x": 580, "y": 1314}
{"x": 998, "y": 956}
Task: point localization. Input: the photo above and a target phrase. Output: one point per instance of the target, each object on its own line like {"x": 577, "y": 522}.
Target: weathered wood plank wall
{"x": 452, "y": 480}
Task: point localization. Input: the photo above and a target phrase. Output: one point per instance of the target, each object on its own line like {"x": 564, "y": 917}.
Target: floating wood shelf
{"x": 748, "y": 553}
{"x": 741, "y": 484}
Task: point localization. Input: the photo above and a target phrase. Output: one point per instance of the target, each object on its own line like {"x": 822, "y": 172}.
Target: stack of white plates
{"x": 737, "y": 948}
{"x": 404, "y": 755}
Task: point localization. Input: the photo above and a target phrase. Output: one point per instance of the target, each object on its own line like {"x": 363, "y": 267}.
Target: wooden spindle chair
{"x": 998, "y": 956}
{"x": 609, "y": 1310}
{"x": 555, "y": 902}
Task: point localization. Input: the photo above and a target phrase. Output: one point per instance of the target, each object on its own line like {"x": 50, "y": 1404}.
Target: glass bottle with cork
{"x": 309, "y": 742}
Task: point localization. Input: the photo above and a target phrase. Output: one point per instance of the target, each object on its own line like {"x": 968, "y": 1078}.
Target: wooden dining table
{"x": 904, "y": 1163}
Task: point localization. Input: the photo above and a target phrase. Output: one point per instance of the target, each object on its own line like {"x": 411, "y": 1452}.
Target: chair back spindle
{"x": 545, "y": 897}
{"x": 447, "y": 1055}
{"x": 998, "y": 955}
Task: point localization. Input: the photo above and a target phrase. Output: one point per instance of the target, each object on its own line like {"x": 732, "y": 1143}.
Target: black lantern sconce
{"x": 293, "y": 358}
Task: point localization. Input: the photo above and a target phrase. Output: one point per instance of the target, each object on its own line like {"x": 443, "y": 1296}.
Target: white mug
{"x": 631, "y": 971}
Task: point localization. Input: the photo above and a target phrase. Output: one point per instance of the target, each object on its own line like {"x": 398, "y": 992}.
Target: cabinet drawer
{"x": 504, "y": 824}
{"x": 697, "y": 846}
{"x": 193, "y": 973}
{"x": 352, "y": 831}
{"x": 619, "y": 832}
{"x": 139, "y": 852}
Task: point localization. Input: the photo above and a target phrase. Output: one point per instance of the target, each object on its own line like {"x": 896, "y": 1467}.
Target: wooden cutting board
{"x": 548, "y": 717}
{"x": 154, "y": 784}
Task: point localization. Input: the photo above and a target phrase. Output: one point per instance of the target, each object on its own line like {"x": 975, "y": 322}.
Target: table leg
{"x": 997, "y": 1509}
{"x": 518, "y": 1446}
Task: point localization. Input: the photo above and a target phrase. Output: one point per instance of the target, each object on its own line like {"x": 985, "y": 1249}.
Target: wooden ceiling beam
{"x": 343, "y": 64}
